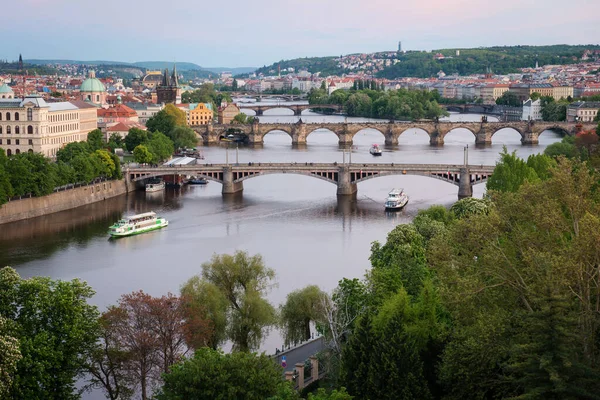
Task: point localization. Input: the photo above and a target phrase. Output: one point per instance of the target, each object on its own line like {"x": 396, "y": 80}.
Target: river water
{"x": 295, "y": 222}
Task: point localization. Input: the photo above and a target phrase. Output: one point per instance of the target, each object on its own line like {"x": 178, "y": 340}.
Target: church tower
{"x": 168, "y": 91}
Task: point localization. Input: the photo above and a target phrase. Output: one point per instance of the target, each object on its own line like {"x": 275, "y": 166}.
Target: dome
{"x": 4, "y": 88}
{"x": 92, "y": 84}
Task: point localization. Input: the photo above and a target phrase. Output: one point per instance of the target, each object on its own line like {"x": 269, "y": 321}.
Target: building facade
{"x": 582, "y": 111}
{"x": 168, "y": 91}
{"x": 227, "y": 112}
{"x": 92, "y": 90}
{"x": 200, "y": 114}
{"x": 532, "y": 110}
{"x": 33, "y": 125}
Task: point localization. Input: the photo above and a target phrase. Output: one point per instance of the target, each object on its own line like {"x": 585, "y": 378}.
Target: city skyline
{"x": 252, "y": 34}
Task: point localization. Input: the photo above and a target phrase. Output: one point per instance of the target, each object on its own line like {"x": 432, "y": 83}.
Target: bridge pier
{"x": 345, "y": 139}
{"x": 465, "y": 187}
{"x": 436, "y": 139}
{"x": 483, "y": 139}
{"x": 345, "y": 185}
{"x": 530, "y": 138}
{"x": 229, "y": 186}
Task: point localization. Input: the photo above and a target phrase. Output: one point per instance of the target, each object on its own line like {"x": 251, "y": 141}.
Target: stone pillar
{"x": 314, "y": 363}
{"x": 530, "y": 137}
{"x": 390, "y": 138}
{"x": 345, "y": 187}
{"x": 483, "y": 138}
{"x": 210, "y": 135}
{"x": 289, "y": 376}
{"x": 230, "y": 187}
{"x": 299, "y": 134}
{"x": 297, "y": 111}
{"x": 255, "y": 136}
{"x": 465, "y": 188}
{"x": 300, "y": 379}
{"x": 436, "y": 138}
{"x": 259, "y": 111}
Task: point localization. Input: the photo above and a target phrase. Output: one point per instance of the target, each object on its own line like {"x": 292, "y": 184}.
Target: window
{"x": 29, "y": 114}
{"x": 30, "y": 129}
{"x": 17, "y": 129}
{"x": 31, "y": 142}
{"x": 30, "y": 151}
{"x": 8, "y": 129}
{"x": 17, "y": 141}
{"x": 8, "y": 116}
{"x": 0, "y": 141}
{"x": 0, "y": 130}
{"x": 0, "y": 116}
{"x": 9, "y": 151}
{"x": 17, "y": 151}
{"x": 16, "y": 116}
{"x": 7, "y": 141}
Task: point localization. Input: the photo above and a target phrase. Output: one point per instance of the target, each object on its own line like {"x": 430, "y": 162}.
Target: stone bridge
{"x": 482, "y": 131}
{"x": 344, "y": 176}
{"x": 296, "y": 108}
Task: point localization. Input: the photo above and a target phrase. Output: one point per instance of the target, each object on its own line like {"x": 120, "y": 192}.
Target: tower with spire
{"x": 20, "y": 63}
{"x": 168, "y": 91}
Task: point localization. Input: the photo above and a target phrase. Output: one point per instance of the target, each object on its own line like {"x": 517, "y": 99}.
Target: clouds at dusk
{"x": 253, "y": 33}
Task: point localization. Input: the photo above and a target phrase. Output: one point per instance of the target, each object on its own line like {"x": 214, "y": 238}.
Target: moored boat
{"x": 155, "y": 186}
{"x": 137, "y": 224}
{"x": 396, "y": 200}
{"x": 198, "y": 181}
{"x": 375, "y": 150}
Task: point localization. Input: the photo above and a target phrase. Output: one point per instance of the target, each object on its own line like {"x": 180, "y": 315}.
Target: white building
{"x": 532, "y": 110}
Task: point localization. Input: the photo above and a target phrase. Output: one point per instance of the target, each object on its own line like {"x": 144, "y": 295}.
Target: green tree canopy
{"x": 95, "y": 139}
{"x": 135, "y": 137}
{"x": 142, "y": 155}
{"x": 509, "y": 98}
{"x": 183, "y": 137}
{"x": 302, "y": 307}
{"x": 510, "y": 173}
{"x": 160, "y": 146}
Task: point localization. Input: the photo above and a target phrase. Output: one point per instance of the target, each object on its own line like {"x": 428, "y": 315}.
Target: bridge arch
{"x": 332, "y": 175}
{"x": 505, "y": 130}
{"x": 450, "y": 178}
{"x": 415, "y": 130}
{"x": 467, "y": 127}
{"x": 266, "y": 111}
{"x": 311, "y": 130}
{"x": 268, "y": 130}
{"x": 367, "y": 136}
{"x": 211, "y": 177}
{"x": 561, "y": 130}
{"x": 248, "y": 111}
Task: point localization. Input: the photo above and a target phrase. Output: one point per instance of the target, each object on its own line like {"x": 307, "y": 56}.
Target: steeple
{"x": 174, "y": 80}
{"x": 166, "y": 81}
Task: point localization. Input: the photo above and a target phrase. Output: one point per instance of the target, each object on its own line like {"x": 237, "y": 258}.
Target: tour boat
{"x": 198, "y": 181}
{"x": 375, "y": 150}
{"x": 137, "y": 224}
{"x": 155, "y": 187}
{"x": 396, "y": 200}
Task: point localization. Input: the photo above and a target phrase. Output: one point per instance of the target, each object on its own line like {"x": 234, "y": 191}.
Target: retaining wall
{"x": 37, "y": 206}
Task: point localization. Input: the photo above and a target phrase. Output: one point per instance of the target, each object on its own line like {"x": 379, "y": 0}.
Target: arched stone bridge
{"x": 296, "y": 108}
{"x": 345, "y": 176}
{"x": 483, "y": 131}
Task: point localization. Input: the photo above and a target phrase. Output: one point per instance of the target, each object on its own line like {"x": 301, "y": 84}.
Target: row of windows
{"x": 63, "y": 117}
{"x": 17, "y": 129}
{"x": 17, "y": 141}
{"x": 16, "y": 114}
{"x": 63, "y": 128}
{"x": 17, "y": 151}
{"x": 592, "y": 112}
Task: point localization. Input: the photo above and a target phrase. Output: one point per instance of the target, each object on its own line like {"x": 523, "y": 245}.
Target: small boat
{"x": 137, "y": 224}
{"x": 396, "y": 200}
{"x": 198, "y": 181}
{"x": 155, "y": 187}
{"x": 375, "y": 150}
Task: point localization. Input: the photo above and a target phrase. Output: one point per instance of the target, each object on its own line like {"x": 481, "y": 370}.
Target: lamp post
{"x": 227, "y": 154}
{"x": 466, "y": 155}
{"x": 237, "y": 145}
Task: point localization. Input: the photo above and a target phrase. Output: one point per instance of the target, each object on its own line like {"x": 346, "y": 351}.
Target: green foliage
{"x": 510, "y": 173}
{"x": 106, "y": 164}
{"x": 399, "y": 263}
{"x": 6, "y": 189}
{"x": 554, "y": 110}
{"x": 9, "y": 357}
{"x": 469, "y": 206}
{"x": 116, "y": 141}
{"x": 302, "y": 307}
{"x": 95, "y": 140}
{"x": 160, "y": 146}
{"x": 242, "y": 280}
{"x": 401, "y": 104}
{"x": 432, "y": 221}
{"x": 135, "y": 137}
{"x": 31, "y": 173}
{"x": 165, "y": 120}
{"x": 242, "y": 118}
{"x": 566, "y": 147}
{"x": 210, "y": 374}
{"x": 183, "y": 137}
{"x": 72, "y": 150}
{"x": 142, "y": 155}
{"x": 55, "y": 327}
{"x": 322, "y": 394}
{"x": 509, "y": 98}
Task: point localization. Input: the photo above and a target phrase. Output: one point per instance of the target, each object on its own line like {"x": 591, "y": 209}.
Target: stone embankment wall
{"x": 60, "y": 201}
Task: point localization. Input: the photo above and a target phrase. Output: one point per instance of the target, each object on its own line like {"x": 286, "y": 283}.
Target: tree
{"x": 116, "y": 141}
{"x": 510, "y": 173}
{"x": 105, "y": 161}
{"x": 85, "y": 169}
{"x": 56, "y": 329}
{"x": 135, "y": 137}
{"x": 142, "y": 155}
{"x": 300, "y": 309}
{"x": 234, "y": 85}
{"x": 178, "y": 115}
{"x": 240, "y": 118}
{"x": 95, "y": 139}
{"x": 205, "y": 301}
{"x": 243, "y": 280}
{"x": 160, "y": 146}
{"x": 9, "y": 357}
{"x": 72, "y": 150}
{"x": 160, "y": 122}
{"x": 6, "y": 189}
{"x": 508, "y": 98}
{"x": 535, "y": 95}
{"x": 183, "y": 137}
{"x": 210, "y": 374}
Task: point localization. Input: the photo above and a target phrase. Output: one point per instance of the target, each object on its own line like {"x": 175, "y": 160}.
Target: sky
{"x": 244, "y": 33}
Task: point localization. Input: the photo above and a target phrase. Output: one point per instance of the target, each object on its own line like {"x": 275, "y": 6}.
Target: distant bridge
{"x": 483, "y": 131}
{"x": 296, "y": 108}
{"x": 344, "y": 176}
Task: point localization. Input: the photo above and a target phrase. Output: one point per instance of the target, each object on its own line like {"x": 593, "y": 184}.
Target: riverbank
{"x": 60, "y": 201}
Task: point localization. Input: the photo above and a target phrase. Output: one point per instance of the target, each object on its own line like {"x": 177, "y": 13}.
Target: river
{"x": 294, "y": 221}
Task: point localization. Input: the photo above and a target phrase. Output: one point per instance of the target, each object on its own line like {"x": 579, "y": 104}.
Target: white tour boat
{"x": 375, "y": 150}
{"x": 396, "y": 200}
{"x": 155, "y": 187}
{"x": 137, "y": 224}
